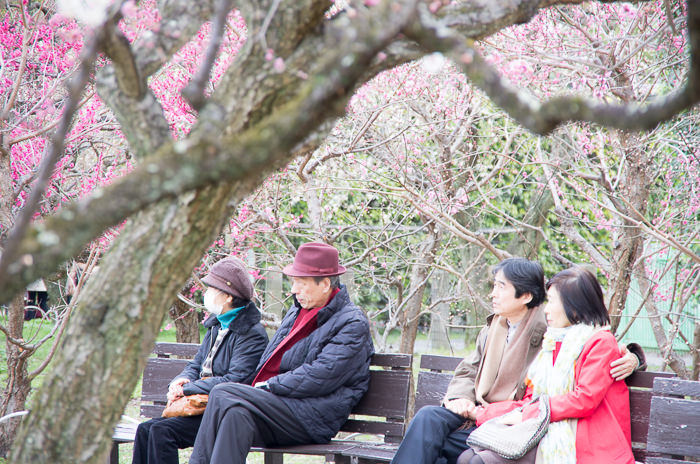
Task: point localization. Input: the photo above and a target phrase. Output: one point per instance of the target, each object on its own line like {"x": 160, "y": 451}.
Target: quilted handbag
{"x": 512, "y": 441}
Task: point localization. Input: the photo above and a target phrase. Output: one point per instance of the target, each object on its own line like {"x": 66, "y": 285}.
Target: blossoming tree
{"x": 295, "y": 72}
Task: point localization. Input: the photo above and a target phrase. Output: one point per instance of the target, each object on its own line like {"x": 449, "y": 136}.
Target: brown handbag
{"x": 192, "y": 405}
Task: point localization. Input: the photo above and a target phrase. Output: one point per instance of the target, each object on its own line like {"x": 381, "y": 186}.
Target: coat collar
{"x": 247, "y": 318}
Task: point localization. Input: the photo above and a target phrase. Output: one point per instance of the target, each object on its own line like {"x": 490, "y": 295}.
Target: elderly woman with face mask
{"x": 230, "y": 352}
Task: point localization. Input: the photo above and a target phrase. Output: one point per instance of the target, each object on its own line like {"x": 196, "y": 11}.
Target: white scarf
{"x": 559, "y": 444}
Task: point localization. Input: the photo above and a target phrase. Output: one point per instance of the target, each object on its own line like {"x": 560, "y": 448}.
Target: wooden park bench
{"x": 436, "y": 371}
{"x": 382, "y": 412}
{"x": 674, "y": 422}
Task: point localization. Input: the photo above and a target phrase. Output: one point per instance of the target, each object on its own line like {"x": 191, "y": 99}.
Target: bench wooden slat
{"x": 674, "y": 422}
{"x": 439, "y": 363}
{"x": 656, "y": 460}
{"x": 393, "y": 360}
{"x": 332, "y": 452}
{"x": 676, "y": 387}
{"x": 431, "y": 388}
{"x": 157, "y": 376}
{"x": 152, "y": 410}
{"x": 334, "y": 447}
{"x": 124, "y": 432}
{"x": 184, "y": 350}
{"x": 386, "y": 395}
{"x": 371, "y": 454}
{"x": 387, "y": 429}
{"x": 640, "y": 401}
{"x": 645, "y": 379}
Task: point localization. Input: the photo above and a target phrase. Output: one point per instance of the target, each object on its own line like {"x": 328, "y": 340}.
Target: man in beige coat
{"x": 495, "y": 371}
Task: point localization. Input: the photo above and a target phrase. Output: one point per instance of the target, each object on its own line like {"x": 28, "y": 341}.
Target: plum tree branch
{"x": 48, "y": 162}
{"x": 196, "y": 163}
{"x": 117, "y": 48}
{"x": 194, "y": 91}
{"x": 543, "y": 117}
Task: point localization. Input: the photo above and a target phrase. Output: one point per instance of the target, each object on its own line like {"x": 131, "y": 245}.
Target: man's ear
{"x": 528, "y": 298}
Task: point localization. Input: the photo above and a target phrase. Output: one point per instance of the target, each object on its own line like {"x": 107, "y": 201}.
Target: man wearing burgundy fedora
{"x": 311, "y": 375}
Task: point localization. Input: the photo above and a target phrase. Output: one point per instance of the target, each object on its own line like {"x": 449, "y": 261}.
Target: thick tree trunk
{"x": 637, "y": 180}
{"x": 186, "y": 322}
{"x": 438, "y": 337}
{"x": 120, "y": 312}
{"x": 113, "y": 330}
{"x": 410, "y": 317}
{"x": 670, "y": 357}
{"x": 18, "y": 383}
{"x": 526, "y": 243}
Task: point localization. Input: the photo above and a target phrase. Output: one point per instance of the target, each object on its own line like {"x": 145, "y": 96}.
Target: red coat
{"x": 600, "y": 404}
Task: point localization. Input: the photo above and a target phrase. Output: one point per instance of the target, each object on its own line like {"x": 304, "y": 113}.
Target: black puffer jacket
{"x": 237, "y": 356}
{"x": 323, "y": 376}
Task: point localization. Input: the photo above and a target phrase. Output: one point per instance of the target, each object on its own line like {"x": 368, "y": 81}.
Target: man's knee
{"x": 222, "y": 390}
{"x": 160, "y": 429}
{"x": 436, "y": 418}
{"x": 217, "y": 390}
{"x": 429, "y": 414}
{"x": 143, "y": 429}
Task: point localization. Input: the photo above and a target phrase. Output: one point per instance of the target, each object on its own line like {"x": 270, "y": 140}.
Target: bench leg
{"x": 274, "y": 458}
{"x": 114, "y": 454}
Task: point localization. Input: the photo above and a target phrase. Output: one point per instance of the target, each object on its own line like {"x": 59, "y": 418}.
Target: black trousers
{"x": 158, "y": 440}
{"x": 239, "y": 417}
{"x": 433, "y": 436}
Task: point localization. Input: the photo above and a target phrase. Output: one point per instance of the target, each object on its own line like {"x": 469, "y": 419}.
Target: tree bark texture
{"x": 469, "y": 20}
{"x": 665, "y": 344}
{"x": 18, "y": 382}
{"x": 182, "y": 191}
{"x": 637, "y": 181}
{"x": 119, "y": 313}
{"x": 186, "y": 322}
{"x": 410, "y": 316}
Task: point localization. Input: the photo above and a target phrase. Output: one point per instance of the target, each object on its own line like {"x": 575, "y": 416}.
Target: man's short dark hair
{"x": 335, "y": 281}
{"x": 526, "y": 276}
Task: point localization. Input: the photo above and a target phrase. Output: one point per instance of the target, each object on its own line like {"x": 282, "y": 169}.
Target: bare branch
{"x": 51, "y": 157}
{"x": 194, "y": 91}
{"x": 196, "y": 163}
{"x": 117, "y": 48}
{"x": 543, "y": 117}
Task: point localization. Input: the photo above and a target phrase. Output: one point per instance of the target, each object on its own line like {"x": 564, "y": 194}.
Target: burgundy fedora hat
{"x": 315, "y": 259}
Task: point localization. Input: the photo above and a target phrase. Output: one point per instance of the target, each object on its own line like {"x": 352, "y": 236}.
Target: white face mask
{"x": 209, "y": 303}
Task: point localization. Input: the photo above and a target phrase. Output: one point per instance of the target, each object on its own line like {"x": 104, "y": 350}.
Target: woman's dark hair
{"x": 526, "y": 276}
{"x": 581, "y": 295}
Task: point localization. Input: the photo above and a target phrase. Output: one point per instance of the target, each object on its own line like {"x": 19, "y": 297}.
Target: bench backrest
{"x": 434, "y": 376}
{"x": 160, "y": 371}
{"x": 674, "y": 426}
{"x": 382, "y": 410}
{"x": 436, "y": 372}
{"x": 640, "y": 387}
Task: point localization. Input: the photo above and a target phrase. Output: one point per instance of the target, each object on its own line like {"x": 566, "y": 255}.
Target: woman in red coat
{"x": 590, "y": 416}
